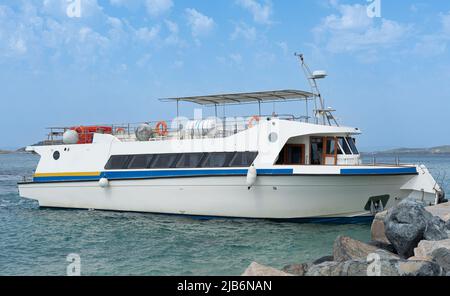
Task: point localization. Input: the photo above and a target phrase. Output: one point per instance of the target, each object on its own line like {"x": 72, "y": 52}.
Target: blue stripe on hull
{"x": 379, "y": 171}
{"x": 123, "y": 175}
{"x": 152, "y": 174}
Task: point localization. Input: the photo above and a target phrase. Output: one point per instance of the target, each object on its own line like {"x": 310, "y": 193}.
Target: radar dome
{"x": 70, "y": 137}
{"x": 144, "y": 132}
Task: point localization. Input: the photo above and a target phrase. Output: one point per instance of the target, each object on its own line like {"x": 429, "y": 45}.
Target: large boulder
{"x": 408, "y": 223}
{"x": 442, "y": 257}
{"x": 256, "y": 269}
{"x": 425, "y": 248}
{"x": 435, "y": 230}
{"x": 346, "y": 248}
{"x": 348, "y": 268}
{"x": 377, "y": 230}
{"x": 441, "y": 210}
{"x": 419, "y": 268}
{"x": 383, "y": 267}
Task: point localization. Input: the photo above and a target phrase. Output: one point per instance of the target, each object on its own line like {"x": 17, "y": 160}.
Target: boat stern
{"x": 424, "y": 187}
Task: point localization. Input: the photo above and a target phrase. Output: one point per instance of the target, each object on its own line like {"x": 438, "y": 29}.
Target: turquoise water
{"x": 36, "y": 241}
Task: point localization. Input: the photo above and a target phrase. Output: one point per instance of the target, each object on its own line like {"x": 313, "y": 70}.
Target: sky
{"x": 75, "y": 62}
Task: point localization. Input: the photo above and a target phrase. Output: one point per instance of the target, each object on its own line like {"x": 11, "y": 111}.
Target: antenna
{"x": 312, "y": 78}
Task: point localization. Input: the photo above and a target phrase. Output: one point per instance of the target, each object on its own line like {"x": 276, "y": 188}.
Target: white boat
{"x": 273, "y": 167}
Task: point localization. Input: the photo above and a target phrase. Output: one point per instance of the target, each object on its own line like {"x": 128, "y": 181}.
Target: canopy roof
{"x": 243, "y": 98}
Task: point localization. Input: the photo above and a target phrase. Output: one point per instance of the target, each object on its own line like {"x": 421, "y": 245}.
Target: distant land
{"x": 439, "y": 150}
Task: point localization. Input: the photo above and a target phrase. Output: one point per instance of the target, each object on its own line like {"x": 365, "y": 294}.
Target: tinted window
{"x": 218, "y": 159}
{"x": 345, "y": 146}
{"x": 117, "y": 162}
{"x": 331, "y": 147}
{"x": 164, "y": 161}
{"x": 351, "y": 142}
{"x": 294, "y": 154}
{"x": 243, "y": 159}
{"x": 139, "y": 161}
{"x": 181, "y": 160}
{"x": 189, "y": 160}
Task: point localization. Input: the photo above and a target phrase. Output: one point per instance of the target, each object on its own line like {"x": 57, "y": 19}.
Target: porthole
{"x": 273, "y": 137}
{"x": 56, "y": 155}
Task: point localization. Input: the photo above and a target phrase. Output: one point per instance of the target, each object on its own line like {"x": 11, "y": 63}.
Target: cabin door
{"x": 317, "y": 149}
{"x": 331, "y": 148}
{"x": 293, "y": 154}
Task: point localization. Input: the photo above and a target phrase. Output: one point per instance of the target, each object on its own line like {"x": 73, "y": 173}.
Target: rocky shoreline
{"x": 408, "y": 240}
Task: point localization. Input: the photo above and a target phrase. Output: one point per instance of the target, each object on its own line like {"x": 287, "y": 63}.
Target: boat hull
{"x": 271, "y": 197}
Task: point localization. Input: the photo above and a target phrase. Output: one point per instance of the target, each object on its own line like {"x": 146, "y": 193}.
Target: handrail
{"x": 224, "y": 127}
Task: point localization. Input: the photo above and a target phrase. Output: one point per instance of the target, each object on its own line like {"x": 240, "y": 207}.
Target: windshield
{"x": 351, "y": 142}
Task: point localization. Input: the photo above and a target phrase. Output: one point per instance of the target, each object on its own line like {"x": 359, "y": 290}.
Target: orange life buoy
{"x": 253, "y": 120}
{"x": 161, "y": 128}
{"x": 120, "y": 130}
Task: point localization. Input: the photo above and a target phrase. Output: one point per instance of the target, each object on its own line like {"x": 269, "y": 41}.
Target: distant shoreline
{"x": 439, "y": 150}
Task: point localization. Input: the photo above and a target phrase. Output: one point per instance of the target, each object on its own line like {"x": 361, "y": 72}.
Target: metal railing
{"x": 177, "y": 129}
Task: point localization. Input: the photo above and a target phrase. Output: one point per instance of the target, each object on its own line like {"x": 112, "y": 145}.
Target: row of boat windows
{"x": 181, "y": 160}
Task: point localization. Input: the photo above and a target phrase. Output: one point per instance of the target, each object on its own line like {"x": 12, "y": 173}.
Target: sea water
{"x": 36, "y": 241}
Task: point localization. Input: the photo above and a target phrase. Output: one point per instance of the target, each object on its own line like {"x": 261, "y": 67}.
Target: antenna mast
{"x": 312, "y": 77}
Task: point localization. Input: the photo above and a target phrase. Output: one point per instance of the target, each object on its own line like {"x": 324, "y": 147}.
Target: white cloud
{"x": 436, "y": 43}
{"x": 172, "y": 27}
{"x": 236, "y": 58}
{"x": 18, "y": 46}
{"x": 158, "y": 7}
{"x": 353, "y": 31}
{"x": 200, "y": 24}
{"x": 233, "y": 60}
{"x": 58, "y": 8}
{"x": 147, "y": 34}
{"x": 261, "y": 12}
{"x": 173, "y": 38}
{"x": 242, "y": 30}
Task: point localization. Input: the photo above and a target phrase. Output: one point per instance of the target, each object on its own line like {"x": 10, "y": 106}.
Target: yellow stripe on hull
{"x": 89, "y": 174}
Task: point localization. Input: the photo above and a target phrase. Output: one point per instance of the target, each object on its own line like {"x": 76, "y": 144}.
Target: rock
{"x": 323, "y": 259}
{"x": 419, "y": 268}
{"x": 447, "y": 225}
{"x": 346, "y": 248}
{"x": 446, "y": 217}
{"x": 256, "y": 269}
{"x": 297, "y": 269}
{"x": 435, "y": 229}
{"x": 441, "y": 210}
{"x": 348, "y": 268}
{"x": 426, "y": 248}
{"x": 405, "y": 225}
{"x": 442, "y": 257}
{"x": 383, "y": 267}
{"x": 380, "y": 245}
{"x": 377, "y": 230}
